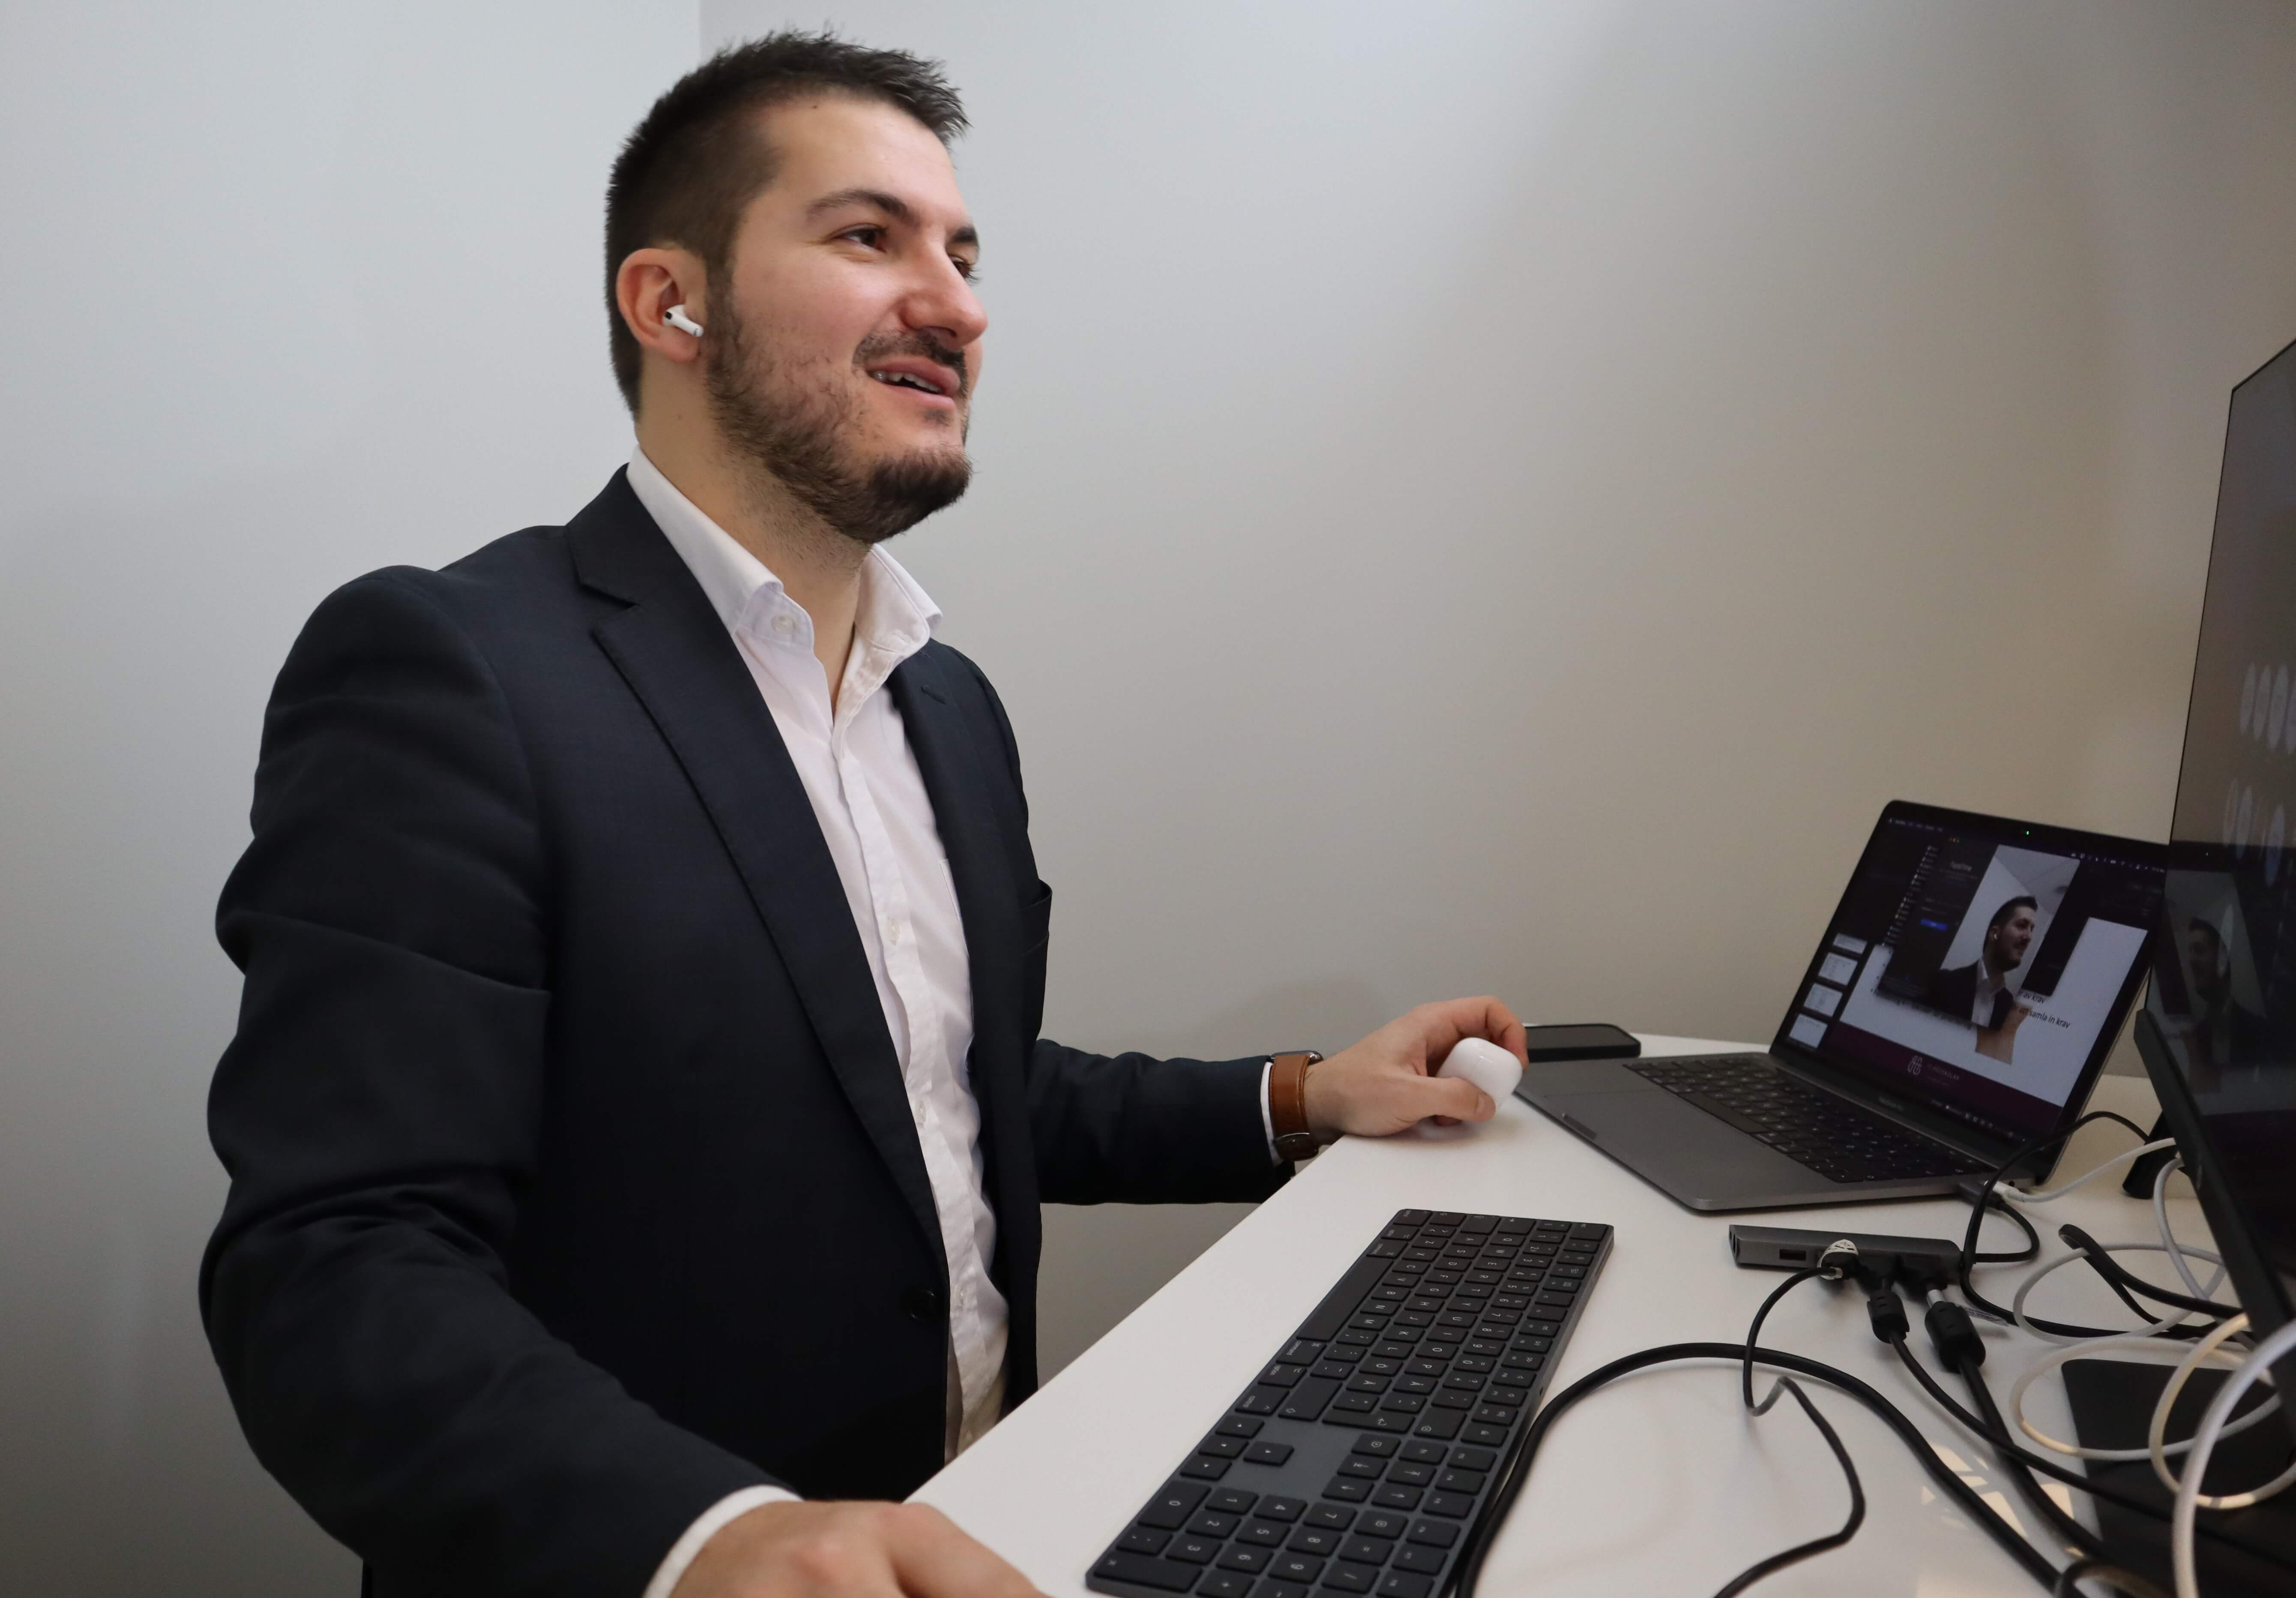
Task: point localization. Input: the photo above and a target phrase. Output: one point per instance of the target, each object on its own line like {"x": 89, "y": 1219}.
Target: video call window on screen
{"x": 1977, "y": 972}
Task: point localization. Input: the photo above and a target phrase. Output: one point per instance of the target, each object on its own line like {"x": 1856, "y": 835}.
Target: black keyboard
{"x": 1832, "y": 1136}
{"x": 1360, "y": 1459}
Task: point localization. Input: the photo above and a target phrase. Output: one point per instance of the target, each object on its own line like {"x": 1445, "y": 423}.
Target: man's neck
{"x": 819, "y": 567}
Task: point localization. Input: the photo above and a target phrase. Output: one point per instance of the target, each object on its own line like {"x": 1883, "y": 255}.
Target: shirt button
{"x": 784, "y": 625}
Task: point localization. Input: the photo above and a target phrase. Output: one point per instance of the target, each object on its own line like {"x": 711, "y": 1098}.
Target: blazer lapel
{"x": 965, "y": 809}
{"x": 674, "y": 652}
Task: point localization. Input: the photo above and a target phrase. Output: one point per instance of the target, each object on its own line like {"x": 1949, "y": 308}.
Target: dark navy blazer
{"x": 574, "y": 1184}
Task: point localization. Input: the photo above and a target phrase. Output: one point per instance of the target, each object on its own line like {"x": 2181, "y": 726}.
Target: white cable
{"x": 2204, "y": 1442}
{"x": 2168, "y": 1401}
{"x": 2168, "y": 1235}
{"x": 2085, "y": 1177}
{"x": 2150, "y": 1328}
{"x": 2145, "y": 1342}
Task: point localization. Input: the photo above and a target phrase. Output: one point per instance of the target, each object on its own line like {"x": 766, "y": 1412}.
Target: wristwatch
{"x": 1287, "y": 1104}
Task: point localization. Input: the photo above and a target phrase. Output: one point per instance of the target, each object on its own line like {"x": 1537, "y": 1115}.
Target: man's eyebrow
{"x": 892, "y": 205}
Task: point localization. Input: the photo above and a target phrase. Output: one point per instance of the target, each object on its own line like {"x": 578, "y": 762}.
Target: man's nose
{"x": 944, "y": 301}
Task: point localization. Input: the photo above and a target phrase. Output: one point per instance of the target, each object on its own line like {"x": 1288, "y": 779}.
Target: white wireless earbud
{"x": 677, "y": 317}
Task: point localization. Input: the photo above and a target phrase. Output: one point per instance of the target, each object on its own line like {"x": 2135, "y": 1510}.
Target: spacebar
{"x": 1721, "y": 1111}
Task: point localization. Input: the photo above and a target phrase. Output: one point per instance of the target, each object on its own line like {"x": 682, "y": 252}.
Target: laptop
{"x": 1960, "y": 1005}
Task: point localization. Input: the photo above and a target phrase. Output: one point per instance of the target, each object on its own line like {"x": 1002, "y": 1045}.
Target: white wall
{"x": 1497, "y": 497}
{"x": 295, "y": 291}
{"x": 1469, "y": 497}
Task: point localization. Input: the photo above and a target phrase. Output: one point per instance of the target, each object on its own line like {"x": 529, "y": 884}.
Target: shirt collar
{"x": 895, "y": 618}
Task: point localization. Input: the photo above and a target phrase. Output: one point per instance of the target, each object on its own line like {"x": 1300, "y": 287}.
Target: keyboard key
{"x": 1268, "y": 1454}
{"x": 1424, "y": 1453}
{"x": 1378, "y": 1447}
{"x": 1232, "y": 1500}
{"x": 1473, "y": 1459}
{"x": 1220, "y": 1448}
{"x": 1195, "y": 1550}
{"x": 1240, "y": 1426}
{"x": 1295, "y": 1567}
{"x": 1396, "y": 1495}
{"x": 1281, "y": 1375}
{"x": 1159, "y": 1574}
{"x": 1224, "y": 1584}
{"x": 1244, "y": 1556}
{"x": 1482, "y": 1431}
{"x": 1456, "y": 1505}
{"x": 1319, "y": 1540}
{"x": 1302, "y": 1352}
{"x": 1263, "y": 1534}
{"x": 1434, "y": 1423}
{"x": 1396, "y": 1584}
{"x": 1434, "y": 1534}
{"x": 1403, "y": 1403}
{"x": 1411, "y": 1473}
{"x": 1143, "y": 1539}
{"x": 1272, "y": 1588}
{"x": 1205, "y": 1469}
{"x": 1495, "y": 1414}
{"x": 1282, "y": 1509}
{"x": 1369, "y": 1551}
{"x": 1170, "y": 1509}
{"x": 1348, "y": 1488}
{"x": 1332, "y": 1516}
{"x": 1260, "y": 1401}
{"x": 1345, "y": 1577}
{"x": 1428, "y": 1560}
{"x": 1382, "y": 1523}
{"x": 1211, "y": 1525}
{"x": 1308, "y": 1400}
{"x": 1369, "y": 1470}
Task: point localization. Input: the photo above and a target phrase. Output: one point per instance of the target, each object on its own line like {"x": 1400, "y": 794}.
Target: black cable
{"x": 1515, "y": 1468}
{"x": 2032, "y": 1248}
{"x": 1754, "y": 1333}
{"x": 2124, "y": 1282}
{"x": 1985, "y": 1198}
{"x": 2070, "y": 1530}
{"x": 2101, "y": 1570}
{"x": 2005, "y": 1440}
{"x": 1801, "y": 1550}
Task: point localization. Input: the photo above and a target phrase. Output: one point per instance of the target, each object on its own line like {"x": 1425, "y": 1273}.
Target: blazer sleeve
{"x": 1129, "y": 1128}
{"x": 377, "y": 1112}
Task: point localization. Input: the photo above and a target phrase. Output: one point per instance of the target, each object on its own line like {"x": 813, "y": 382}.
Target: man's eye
{"x": 968, "y": 270}
{"x": 869, "y": 235}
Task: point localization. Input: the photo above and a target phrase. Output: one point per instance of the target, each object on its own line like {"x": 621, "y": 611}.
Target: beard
{"x": 802, "y": 435}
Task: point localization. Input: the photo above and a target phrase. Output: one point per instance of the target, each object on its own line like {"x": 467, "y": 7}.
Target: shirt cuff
{"x": 712, "y": 1520}
{"x": 1267, "y": 1125}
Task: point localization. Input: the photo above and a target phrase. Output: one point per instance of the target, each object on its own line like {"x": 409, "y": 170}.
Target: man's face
{"x": 845, "y": 345}
{"x": 2006, "y": 944}
{"x": 2201, "y": 957}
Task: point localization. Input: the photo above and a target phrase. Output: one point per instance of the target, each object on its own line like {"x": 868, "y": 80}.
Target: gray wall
{"x": 1470, "y": 497}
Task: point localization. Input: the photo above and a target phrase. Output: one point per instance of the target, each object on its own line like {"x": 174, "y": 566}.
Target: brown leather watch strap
{"x": 1287, "y": 1104}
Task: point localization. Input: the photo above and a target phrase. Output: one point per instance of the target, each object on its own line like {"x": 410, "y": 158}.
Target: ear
{"x": 646, "y": 284}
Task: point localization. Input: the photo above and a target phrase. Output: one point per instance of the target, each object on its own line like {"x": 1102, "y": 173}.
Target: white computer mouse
{"x": 1487, "y": 1065}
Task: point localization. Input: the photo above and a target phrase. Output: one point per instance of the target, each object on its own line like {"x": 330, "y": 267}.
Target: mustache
{"x": 923, "y": 345}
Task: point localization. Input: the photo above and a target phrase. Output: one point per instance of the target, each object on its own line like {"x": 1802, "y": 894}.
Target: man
{"x": 2222, "y": 1032}
{"x": 637, "y": 1120}
{"x": 1980, "y": 992}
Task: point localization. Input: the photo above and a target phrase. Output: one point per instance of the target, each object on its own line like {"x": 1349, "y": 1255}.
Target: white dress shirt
{"x": 869, "y": 797}
{"x": 1989, "y": 985}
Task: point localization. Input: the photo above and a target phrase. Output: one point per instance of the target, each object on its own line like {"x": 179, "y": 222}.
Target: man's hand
{"x": 1383, "y": 1084}
{"x": 847, "y": 1550}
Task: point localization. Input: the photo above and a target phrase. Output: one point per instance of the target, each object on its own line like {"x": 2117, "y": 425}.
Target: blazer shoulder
{"x": 957, "y": 679}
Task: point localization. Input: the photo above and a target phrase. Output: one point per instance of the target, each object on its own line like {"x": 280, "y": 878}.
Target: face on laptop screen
{"x": 1975, "y": 971}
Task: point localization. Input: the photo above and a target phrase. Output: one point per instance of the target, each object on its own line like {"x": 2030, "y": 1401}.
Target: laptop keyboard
{"x": 1361, "y": 1460}
{"x": 1833, "y": 1138}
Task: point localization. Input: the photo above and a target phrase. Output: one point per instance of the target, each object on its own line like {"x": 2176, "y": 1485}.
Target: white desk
{"x": 1659, "y": 1484}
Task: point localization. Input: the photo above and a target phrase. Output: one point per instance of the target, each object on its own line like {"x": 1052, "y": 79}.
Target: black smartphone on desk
{"x": 1592, "y": 1042}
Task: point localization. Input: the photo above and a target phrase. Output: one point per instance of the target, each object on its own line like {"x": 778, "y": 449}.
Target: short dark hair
{"x": 687, "y": 171}
{"x": 2010, "y": 908}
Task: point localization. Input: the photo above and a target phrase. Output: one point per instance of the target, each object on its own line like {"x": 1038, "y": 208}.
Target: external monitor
{"x": 2218, "y": 1035}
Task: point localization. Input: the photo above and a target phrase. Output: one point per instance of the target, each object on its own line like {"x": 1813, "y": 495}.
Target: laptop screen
{"x": 1979, "y": 969}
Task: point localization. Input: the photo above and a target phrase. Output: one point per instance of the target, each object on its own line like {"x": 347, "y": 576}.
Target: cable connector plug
{"x": 1954, "y": 1335}
{"x": 1887, "y": 1313}
{"x": 1839, "y": 1260}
